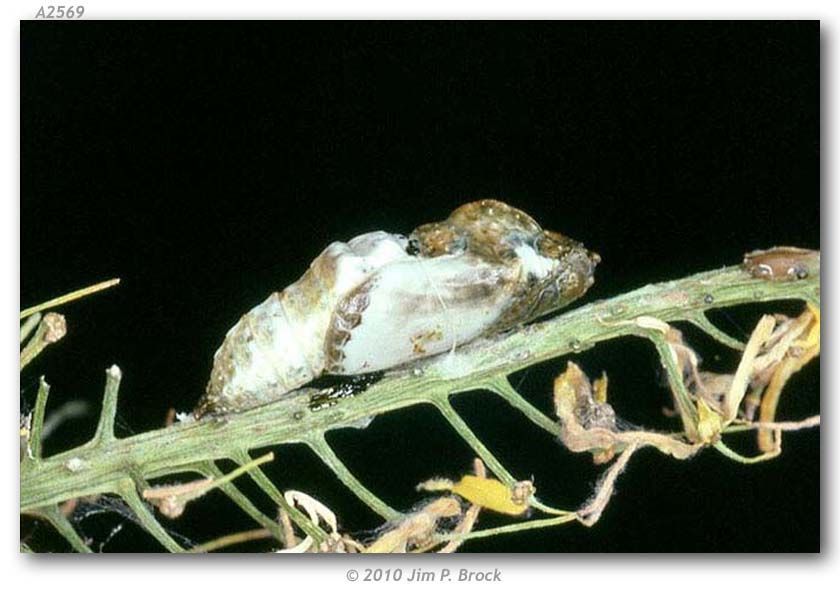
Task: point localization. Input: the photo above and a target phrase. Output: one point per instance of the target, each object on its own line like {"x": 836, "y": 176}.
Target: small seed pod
{"x": 383, "y": 300}
{"x": 781, "y": 263}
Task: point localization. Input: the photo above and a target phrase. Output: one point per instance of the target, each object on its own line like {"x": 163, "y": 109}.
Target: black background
{"x": 208, "y": 163}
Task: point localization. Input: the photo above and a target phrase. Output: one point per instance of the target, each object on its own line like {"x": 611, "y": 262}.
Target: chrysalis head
{"x": 554, "y": 269}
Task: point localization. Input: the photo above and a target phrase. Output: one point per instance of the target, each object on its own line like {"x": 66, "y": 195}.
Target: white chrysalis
{"x": 382, "y": 300}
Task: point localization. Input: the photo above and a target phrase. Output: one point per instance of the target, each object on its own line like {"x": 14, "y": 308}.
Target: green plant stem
{"x": 51, "y": 329}
{"x": 29, "y": 326}
{"x": 320, "y": 446}
{"x": 506, "y": 529}
{"x": 36, "y": 434}
{"x": 210, "y": 469}
{"x": 69, "y": 297}
{"x": 232, "y": 539}
{"x": 103, "y": 463}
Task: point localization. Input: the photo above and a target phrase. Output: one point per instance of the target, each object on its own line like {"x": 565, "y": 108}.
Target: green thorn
{"x": 105, "y": 428}
{"x": 37, "y": 426}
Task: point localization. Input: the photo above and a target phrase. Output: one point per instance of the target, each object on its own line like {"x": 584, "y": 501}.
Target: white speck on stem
{"x": 75, "y": 464}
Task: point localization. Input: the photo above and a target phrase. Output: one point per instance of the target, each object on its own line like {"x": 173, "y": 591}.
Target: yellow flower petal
{"x": 488, "y": 493}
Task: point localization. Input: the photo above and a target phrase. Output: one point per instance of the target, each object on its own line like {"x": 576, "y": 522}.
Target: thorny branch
{"x": 710, "y": 406}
